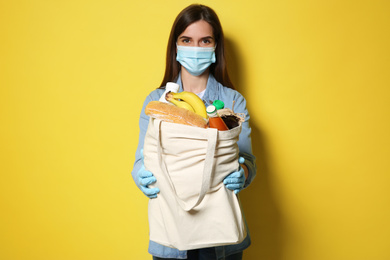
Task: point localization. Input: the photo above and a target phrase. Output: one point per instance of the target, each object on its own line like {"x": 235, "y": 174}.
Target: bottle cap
{"x": 218, "y": 104}
{"x": 211, "y": 109}
{"x": 172, "y": 86}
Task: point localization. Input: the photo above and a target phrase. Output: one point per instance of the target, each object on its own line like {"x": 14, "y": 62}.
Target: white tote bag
{"x": 194, "y": 209}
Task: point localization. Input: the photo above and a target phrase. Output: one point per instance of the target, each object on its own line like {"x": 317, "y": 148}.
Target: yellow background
{"x": 73, "y": 77}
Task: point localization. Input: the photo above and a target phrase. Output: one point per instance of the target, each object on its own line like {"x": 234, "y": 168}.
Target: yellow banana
{"x": 192, "y": 99}
{"x": 179, "y": 103}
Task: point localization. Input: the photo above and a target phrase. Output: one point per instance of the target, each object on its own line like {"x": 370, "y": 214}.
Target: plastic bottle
{"x": 214, "y": 120}
{"x": 172, "y": 87}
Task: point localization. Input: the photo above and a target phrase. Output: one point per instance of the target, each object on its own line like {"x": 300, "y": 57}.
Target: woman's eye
{"x": 207, "y": 42}
{"x": 186, "y": 40}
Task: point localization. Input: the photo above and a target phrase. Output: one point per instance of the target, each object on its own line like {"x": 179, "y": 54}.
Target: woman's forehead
{"x": 199, "y": 28}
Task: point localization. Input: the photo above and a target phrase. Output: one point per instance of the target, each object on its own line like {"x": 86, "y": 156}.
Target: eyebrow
{"x": 187, "y": 37}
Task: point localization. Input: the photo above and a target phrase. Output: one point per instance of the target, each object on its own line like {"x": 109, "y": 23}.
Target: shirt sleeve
{"x": 143, "y": 126}
{"x": 245, "y": 141}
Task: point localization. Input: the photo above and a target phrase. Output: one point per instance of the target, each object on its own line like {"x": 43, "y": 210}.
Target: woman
{"x": 197, "y": 29}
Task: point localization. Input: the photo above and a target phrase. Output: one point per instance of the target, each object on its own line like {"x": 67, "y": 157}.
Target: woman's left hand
{"x": 236, "y": 180}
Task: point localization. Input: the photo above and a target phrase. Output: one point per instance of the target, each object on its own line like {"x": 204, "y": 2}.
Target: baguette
{"x": 171, "y": 113}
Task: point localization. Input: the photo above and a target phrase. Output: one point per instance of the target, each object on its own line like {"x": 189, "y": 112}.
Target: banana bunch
{"x": 189, "y": 101}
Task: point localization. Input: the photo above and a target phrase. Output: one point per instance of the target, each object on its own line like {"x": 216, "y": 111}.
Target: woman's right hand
{"x": 145, "y": 178}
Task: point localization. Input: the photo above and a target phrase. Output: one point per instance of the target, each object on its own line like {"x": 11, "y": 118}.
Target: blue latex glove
{"x": 236, "y": 180}
{"x": 146, "y": 178}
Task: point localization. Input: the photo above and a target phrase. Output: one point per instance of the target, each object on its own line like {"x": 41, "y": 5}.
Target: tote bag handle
{"x": 212, "y": 135}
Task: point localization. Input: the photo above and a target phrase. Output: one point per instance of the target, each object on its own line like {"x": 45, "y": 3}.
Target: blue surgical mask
{"x": 195, "y": 59}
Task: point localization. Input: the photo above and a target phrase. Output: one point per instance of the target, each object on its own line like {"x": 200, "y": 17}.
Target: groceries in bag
{"x": 230, "y": 118}
{"x": 187, "y": 108}
{"x": 190, "y": 164}
{"x": 189, "y": 98}
{"x": 214, "y": 120}
{"x": 174, "y": 114}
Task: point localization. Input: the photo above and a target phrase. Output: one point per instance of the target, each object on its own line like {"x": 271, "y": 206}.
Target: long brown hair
{"x": 187, "y": 16}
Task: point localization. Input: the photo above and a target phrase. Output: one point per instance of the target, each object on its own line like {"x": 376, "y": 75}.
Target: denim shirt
{"x": 214, "y": 91}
